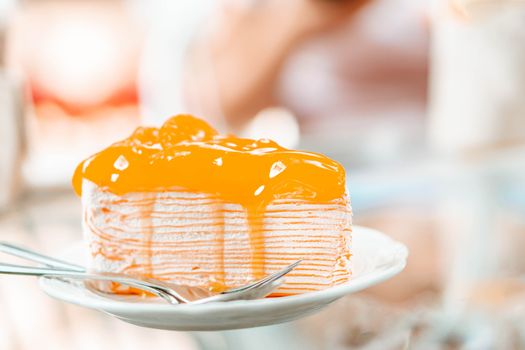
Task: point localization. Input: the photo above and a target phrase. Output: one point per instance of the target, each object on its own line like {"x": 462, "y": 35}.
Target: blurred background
{"x": 422, "y": 101}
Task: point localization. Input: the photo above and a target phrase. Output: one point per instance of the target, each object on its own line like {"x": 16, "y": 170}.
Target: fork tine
{"x": 275, "y": 276}
{"x": 268, "y": 279}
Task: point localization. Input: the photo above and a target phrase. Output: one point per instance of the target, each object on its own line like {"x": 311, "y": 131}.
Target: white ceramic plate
{"x": 376, "y": 258}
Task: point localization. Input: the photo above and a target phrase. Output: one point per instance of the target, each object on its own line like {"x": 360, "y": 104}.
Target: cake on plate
{"x": 183, "y": 204}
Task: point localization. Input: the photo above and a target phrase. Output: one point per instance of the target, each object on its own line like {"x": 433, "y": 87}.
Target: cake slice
{"x": 184, "y": 204}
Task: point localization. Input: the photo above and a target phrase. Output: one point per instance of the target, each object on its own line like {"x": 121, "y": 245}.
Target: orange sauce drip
{"x": 221, "y": 278}
{"x": 187, "y": 153}
{"x": 147, "y": 229}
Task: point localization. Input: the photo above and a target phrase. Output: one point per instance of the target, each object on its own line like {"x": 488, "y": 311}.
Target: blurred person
{"x": 324, "y": 60}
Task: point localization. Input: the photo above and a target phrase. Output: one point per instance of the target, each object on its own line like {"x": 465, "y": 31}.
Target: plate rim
{"x": 328, "y": 295}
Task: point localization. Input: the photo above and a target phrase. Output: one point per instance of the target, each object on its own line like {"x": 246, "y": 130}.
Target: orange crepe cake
{"x": 182, "y": 203}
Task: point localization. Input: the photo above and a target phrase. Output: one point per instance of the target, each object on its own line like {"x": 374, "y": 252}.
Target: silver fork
{"x": 170, "y": 292}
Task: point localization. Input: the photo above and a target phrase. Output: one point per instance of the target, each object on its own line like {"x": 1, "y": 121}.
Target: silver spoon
{"x": 170, "y": 292}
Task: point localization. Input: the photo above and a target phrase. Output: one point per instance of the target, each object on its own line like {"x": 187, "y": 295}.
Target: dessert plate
{"x": 376, "y": 257}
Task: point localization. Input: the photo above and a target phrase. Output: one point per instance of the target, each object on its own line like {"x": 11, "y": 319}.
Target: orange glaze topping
{"x": 187, "y": 153}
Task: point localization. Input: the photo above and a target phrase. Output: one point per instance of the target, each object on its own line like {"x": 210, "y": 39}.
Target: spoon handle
{"x": 28, "y": 254}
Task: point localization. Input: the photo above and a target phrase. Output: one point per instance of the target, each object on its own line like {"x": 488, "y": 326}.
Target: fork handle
{"x": 39, "y": 271}
{"x": 28, "y": 254}
{"x": 47, "y": 272}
